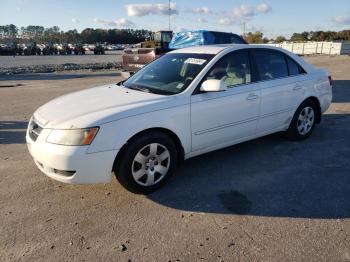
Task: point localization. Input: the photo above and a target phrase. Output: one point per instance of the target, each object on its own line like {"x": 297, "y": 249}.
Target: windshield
{"x": 170, "y": 74}
{"x": 157, "y": 37}
{"x": 167, "y": 37}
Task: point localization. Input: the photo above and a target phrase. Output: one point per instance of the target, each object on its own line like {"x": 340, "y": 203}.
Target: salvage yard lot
{"x": 10, "y": 61}
{"x": 269, "y": 199}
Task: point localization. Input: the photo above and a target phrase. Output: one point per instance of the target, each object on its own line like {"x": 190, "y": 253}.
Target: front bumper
{"x": 71, "y": 164}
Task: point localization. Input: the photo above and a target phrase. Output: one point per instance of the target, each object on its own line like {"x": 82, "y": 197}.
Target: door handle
{"x": 297, "y": 87}
{"x": 252, "y": 96}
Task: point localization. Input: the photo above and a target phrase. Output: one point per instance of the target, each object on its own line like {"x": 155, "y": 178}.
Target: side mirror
{"x": 213, "y": 85}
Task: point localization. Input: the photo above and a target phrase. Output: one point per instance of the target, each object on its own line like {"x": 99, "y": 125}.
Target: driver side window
{"x": 233, "y": 69}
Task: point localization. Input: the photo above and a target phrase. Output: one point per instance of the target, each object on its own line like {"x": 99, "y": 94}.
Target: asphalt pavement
{"x": 269, "y": 199}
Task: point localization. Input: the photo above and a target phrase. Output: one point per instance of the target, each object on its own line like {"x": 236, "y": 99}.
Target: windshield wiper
{"x": 138, "y": 88}
{"x": 149, "y": 90}
{"x": 120, "y": 83}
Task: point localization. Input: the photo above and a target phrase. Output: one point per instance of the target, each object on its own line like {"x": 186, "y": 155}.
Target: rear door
{"x": 281, "y": 88}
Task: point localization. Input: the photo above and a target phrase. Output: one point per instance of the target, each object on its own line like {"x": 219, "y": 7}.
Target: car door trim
{"x": 277, "y": 112}
{"x": 212, "y": 129}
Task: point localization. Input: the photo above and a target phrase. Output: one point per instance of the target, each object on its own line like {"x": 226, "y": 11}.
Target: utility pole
{"x": 169, "y": 15}
{"x": 243, "y": 28}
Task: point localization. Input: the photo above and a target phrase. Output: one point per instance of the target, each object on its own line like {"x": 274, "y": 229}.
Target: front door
{"x": 221, "y": 118}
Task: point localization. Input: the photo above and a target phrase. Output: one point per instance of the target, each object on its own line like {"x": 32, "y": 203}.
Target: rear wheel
{"x": 303, "y": 121}
{"x": 147, "y": 163}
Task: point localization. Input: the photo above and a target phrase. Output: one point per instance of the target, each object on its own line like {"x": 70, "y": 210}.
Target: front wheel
{"x": 147, "y": 163}
{"x": 303, "y": 121}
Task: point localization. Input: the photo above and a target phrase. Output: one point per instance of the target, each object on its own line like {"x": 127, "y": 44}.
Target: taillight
{"x": 330, "y": 80}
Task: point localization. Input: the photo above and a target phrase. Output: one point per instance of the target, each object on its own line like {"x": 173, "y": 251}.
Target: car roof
{"x": 215, "y": 49}
{"x": 203, "y": 49}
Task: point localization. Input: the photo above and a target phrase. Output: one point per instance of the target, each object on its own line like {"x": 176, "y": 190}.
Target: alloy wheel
{"x": 305, "y": 120}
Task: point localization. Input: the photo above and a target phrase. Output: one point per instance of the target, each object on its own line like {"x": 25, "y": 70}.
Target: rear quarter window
{"x": 294, "y": 67}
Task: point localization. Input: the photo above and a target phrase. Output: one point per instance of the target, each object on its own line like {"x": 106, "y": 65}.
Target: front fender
{"x": 113, "y": 135}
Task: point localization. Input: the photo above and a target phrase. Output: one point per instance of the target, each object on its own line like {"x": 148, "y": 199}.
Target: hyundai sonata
{"x": 186, "y": 103}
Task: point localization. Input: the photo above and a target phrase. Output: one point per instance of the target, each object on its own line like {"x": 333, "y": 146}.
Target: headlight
{"x": 72, "y": 137}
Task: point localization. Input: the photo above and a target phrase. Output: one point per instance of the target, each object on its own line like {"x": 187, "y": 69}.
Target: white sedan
{"x": 186, "y": 103}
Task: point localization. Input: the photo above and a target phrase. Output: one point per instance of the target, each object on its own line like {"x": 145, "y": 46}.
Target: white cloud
{"x": 252, "y": 28}
{"x": 202, "y": 20}
{"x": 201, "y": 10}
{"x": 341, "y": 20}
{"x": 124, "y": 22}
{"x": 263, "y": 8}
{"x": 75, "y": 20}
{"x": 238, "y": 15}
{"x": 226, "y": 21}
{"x": 243, "y": 11}
{"x": 115, "y": 23}
{"x": 151, "y": 9}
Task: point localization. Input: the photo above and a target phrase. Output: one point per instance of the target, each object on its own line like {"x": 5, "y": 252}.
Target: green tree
{"x": 254, "y": 38}
{"x": 33, "y": 31}
{"x": 130, "y": 36}
{"x": 9, "y": 31}
{"x": 300, "y": 37}
{"x": 280, "y": 39}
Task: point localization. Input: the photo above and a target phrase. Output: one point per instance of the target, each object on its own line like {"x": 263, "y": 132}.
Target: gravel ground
{"x": 47, "y": 64}
{"x": 268, "y": 199}
{"x": 22, "y": 61}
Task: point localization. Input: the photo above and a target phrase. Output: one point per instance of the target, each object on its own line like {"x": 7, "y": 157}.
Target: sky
{"x": 272, "y": 17}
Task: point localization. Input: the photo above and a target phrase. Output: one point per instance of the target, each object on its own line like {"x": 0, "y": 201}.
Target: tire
{"x": 137, "y": 168}
{"x": 303, "y": 122}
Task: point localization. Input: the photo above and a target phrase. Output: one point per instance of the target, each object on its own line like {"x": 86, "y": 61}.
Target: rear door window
{"x": 270, "y": 64}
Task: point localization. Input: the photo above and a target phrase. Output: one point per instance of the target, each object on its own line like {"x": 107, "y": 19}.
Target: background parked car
{"x": 79, "y": 49}
{"x": 99, "y": 49}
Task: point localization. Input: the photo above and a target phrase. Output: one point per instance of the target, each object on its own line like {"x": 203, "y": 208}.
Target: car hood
{"x": 99, "y": 105}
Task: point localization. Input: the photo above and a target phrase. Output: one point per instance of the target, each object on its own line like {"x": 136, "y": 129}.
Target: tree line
{"x": 258, "y": 37}
{"x": 40, "y": 34}
{"x": 53, "y": 34}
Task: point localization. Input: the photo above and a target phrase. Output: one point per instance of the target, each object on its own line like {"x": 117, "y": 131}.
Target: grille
{"x": 34, "y": 130}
